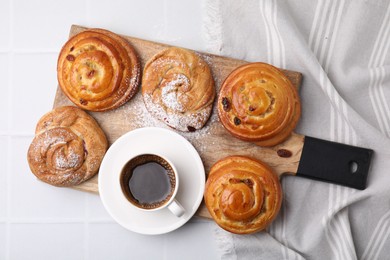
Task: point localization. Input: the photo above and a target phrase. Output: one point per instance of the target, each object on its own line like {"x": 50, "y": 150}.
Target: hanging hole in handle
{"x": 353, "y": 166}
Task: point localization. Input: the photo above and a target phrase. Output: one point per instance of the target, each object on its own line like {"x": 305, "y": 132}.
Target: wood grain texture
{"x": 212, "y": 142}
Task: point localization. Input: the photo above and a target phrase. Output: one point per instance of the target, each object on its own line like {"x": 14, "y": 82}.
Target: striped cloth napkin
{"x": 342, "y": 49}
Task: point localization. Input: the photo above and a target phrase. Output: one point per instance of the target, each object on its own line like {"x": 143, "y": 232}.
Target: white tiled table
{"x": 38, "y": 221}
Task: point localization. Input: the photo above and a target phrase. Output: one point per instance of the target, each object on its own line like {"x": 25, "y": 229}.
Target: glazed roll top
{"x": 243, "y": 195}
{"x": 98, "y": 70}
{"x": 258, "y": 103}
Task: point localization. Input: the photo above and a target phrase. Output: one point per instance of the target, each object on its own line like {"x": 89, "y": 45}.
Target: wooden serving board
{"x": 212, "y": 142}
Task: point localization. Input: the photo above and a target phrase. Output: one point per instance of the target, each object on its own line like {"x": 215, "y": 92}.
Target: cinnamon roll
{"x": 68, "y": 147}
{"x": 98, "y": 70}
{"x": 243, "y": 195}
{"x": 178, "y": 89}
{"x": 258, "y": 103}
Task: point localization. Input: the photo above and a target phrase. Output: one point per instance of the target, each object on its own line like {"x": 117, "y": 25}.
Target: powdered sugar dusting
{"x": 181, "y": 121}
{"x": 136, "y": 115}
{"x": 54, "y": 150}
{"x": 67, "y": 162}
{"x": 170, "y": 89}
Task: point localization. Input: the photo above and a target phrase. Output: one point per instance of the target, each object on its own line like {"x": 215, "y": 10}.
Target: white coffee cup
{"x": 150, "y": 182}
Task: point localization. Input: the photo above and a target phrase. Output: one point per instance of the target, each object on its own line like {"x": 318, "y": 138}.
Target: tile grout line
{"x": 165, "y": 248}
{"x": 86, "y": 228}
{"x": 87, "y": 12}
{"x": 9, "y": 124}
{"x": 165, "y": 28}
{"x": 29, "y": 51}
{"x": 59, "y": 221}
{"x": 8, "y": 200}
{"x": 9, "y": 134}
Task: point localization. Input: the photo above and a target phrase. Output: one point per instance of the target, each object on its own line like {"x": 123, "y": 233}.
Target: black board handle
{"x": 335, "y": 162}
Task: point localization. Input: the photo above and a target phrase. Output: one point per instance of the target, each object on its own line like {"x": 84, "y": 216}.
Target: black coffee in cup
{"x": 148, "y": 181}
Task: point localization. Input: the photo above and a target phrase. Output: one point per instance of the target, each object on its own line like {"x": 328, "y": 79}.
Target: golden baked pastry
{"x": 98, "y": 70}
{"x": 258, "y": 103}
{"x": 178, "y": 89}
{"x": 242, "y": 195}
{"x": 68, "y": 147}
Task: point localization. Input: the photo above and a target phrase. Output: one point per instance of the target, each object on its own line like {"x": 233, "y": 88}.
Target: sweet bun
{"x": 178, "y": 89}
{"x": 98, "y": 70}
{"x": 258, "y": 103}
{"x": 68, "y": 147}
{"x": 243, "y": 195}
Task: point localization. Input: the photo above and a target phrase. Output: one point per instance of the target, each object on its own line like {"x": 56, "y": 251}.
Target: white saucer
{"x": 158, "y": 141}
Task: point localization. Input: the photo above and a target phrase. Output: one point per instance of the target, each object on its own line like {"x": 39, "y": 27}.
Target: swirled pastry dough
{"x": 98, "y": 70}
{"x": 258, "y": 103}
{"x": 178, "y": 89}
{"x": 68, "y": 147}
{"x": 243, "y": 195}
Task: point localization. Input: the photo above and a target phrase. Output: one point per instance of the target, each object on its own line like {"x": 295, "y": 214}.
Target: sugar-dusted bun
{"x": 243, "y": 195}
{"x": 258, "y": 103}
{"x": 98, "y": 70}
{"x": 68, "y": 147}
{"x": 178, "y": 89}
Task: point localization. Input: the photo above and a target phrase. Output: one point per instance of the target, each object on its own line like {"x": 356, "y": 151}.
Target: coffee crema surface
{"x": 148, "y": 181}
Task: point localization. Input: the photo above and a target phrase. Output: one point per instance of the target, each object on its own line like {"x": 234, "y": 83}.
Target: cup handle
{"x": 176, "y": 208}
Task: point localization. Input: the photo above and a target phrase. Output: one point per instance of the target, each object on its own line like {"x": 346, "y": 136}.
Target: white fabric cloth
{"x": 342, "y": 49}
